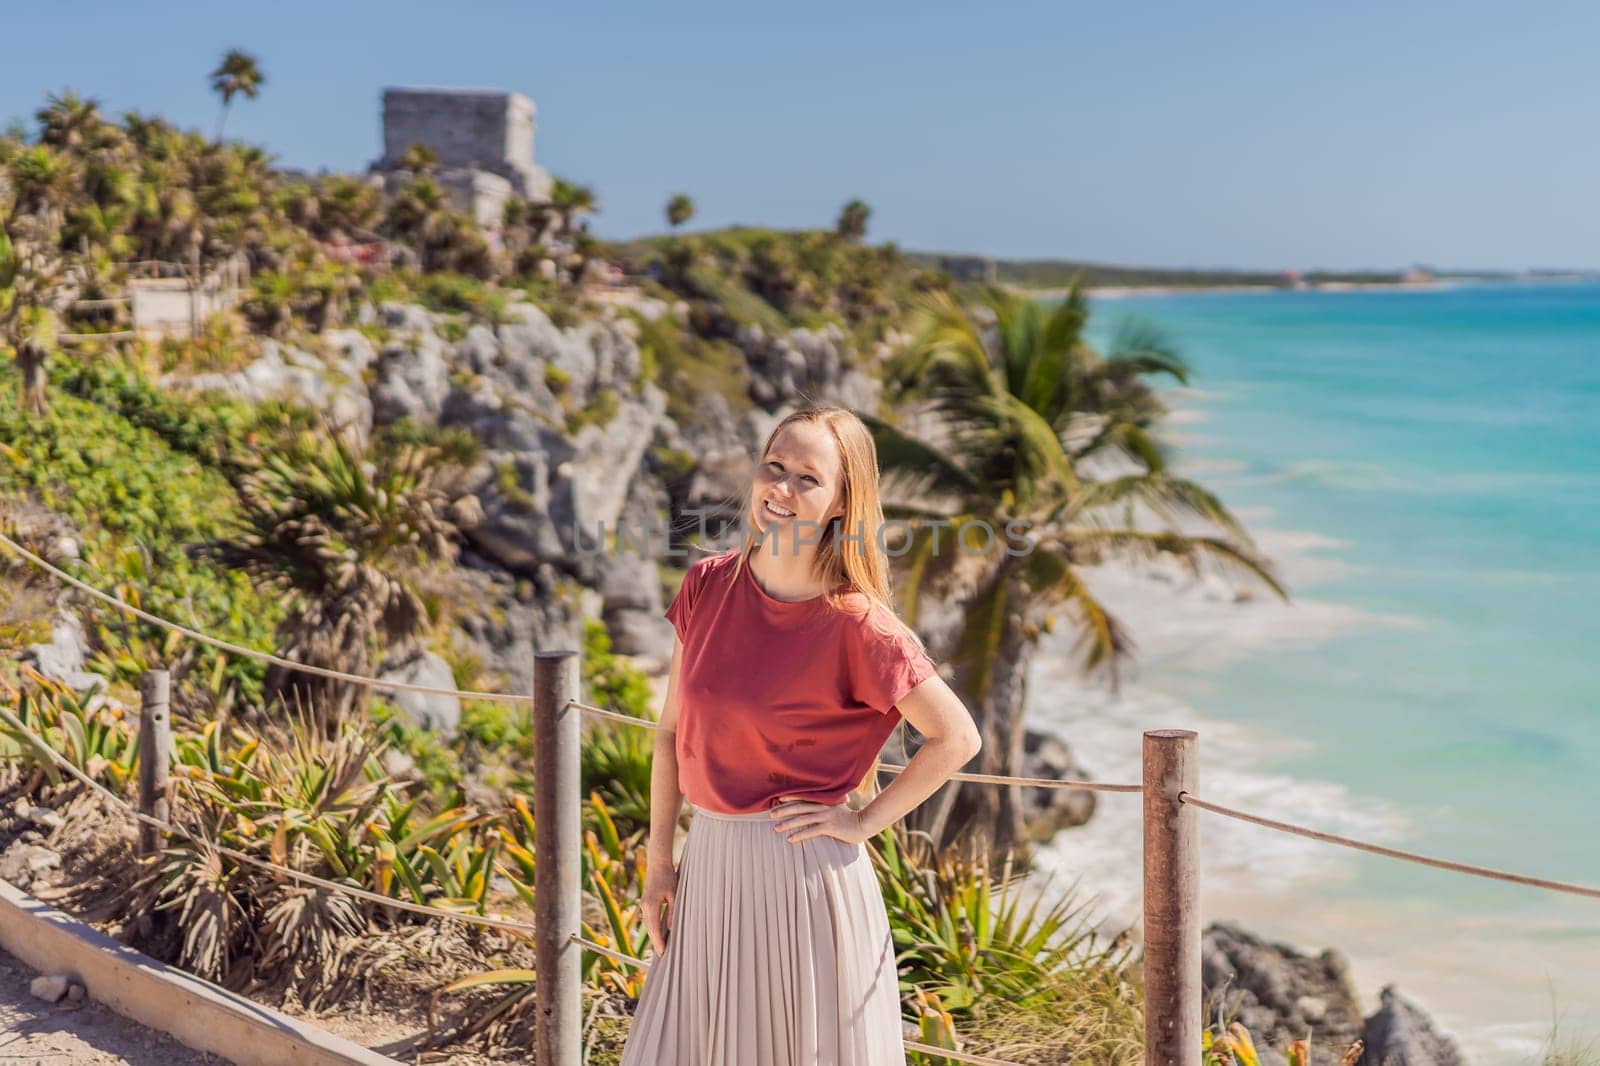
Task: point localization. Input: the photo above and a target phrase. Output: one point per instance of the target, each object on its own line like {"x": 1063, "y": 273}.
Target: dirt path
{"x": 34, "y": 1033}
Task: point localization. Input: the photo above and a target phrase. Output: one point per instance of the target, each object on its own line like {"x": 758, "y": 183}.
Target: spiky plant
{"x": 346, "y": 537}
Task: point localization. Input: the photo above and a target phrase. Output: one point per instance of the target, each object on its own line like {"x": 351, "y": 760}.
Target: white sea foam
{"x": 1258, "y": 876}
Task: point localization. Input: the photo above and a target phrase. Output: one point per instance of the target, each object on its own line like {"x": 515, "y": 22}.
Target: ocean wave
{"x": 1380, "y": 478}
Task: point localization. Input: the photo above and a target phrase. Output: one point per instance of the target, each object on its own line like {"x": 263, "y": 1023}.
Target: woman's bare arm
{"x": 666, "y": 798}
{"x": 952, "y": 739}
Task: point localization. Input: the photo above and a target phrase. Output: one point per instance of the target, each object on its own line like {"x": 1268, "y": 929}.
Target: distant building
{"x": 162, "y": 306}
{"x": 484, "y": 140}
{"x": 978, "y": 268}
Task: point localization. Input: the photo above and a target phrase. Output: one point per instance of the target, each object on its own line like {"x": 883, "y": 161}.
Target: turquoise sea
{"x": 1425, "y": 466}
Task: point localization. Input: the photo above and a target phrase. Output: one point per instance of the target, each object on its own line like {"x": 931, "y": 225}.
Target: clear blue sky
{"x": 1250, "y": 135}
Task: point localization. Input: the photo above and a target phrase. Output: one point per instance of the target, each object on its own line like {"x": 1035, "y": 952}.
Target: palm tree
{"x": 571, "y": 202}
{"x": 238, "y": 73}
{"x": 852, "y": 224}
{"x": 1032, "y": 426}
{"x": 419, "y": 158}
{"x": 680, "y": 209}
{"x": 69, "y": 122}
{"x": 346, "y": 536}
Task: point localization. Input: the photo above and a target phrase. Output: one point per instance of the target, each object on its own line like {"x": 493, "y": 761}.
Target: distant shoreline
{"x": 1117, "y": 292}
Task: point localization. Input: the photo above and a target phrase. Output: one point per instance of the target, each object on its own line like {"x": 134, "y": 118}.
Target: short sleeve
{"x": 885, "y": 662}
{"x": 681, "y": 609}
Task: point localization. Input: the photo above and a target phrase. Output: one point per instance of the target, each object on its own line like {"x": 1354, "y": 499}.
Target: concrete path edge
{"x": 195, "y": 1012}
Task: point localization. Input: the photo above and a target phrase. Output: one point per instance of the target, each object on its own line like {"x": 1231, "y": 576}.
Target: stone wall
{"x": 482, "y": 129}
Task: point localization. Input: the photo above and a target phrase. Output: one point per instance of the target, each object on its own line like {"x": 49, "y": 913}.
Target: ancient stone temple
{"x": 484, "y": 139}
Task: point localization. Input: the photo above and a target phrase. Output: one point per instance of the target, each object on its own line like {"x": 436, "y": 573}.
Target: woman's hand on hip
{"x": 801, "y": 820}
{"x": 660, "y": 889}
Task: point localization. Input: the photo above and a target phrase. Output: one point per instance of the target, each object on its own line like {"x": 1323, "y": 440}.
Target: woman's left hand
{"x": 801, "y": 820}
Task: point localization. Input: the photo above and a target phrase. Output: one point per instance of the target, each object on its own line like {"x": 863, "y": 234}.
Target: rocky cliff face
{"x": 1282, "y": 995}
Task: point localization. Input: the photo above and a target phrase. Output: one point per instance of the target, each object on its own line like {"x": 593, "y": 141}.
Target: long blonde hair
{"x": 843, "y": 565}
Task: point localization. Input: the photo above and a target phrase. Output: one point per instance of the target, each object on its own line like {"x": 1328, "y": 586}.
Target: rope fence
{"x": 1171, "y": 852}
{"x": 1392, "y": 853}
{"x": 123, "y": 807}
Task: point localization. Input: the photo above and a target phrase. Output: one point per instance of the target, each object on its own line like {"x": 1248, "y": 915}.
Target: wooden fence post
{"x": 557, "y": 840}
{"x": 155, "y": 754}
{"x": 1172, "y": 1008}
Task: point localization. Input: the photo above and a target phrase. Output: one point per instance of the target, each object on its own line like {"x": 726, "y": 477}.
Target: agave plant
{"x": 298, "y": 798}
{"x": 1230, "y": 1044}
{"x": 613, "y": 872}
{"x": 966, "y": 934}
{"x": 347, "y": 537}
{"x": 92, "y": 735}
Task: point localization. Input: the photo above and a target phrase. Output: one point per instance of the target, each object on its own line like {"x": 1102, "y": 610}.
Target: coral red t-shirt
{"x": 779, "y": 698}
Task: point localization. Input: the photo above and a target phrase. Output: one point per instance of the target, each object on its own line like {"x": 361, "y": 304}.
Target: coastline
{"x": 1285, "y": 889}
{"x": 1118, "y": 292}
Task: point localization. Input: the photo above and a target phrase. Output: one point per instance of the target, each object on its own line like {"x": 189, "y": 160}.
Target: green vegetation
{"x": 680, "y": 209}
{"x": 1064, "y": 273}
{"x": 1055, "y": 451}
{"x": 258, "y": 524}
{"x": 239, "y": 74}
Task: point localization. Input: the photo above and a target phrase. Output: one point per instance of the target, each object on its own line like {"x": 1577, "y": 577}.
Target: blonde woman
{"x": 790, "y": 671}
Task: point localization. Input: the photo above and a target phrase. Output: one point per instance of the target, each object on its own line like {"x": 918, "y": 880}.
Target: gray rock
{"x": 805, "y": 364}
{"x": 284, "y": 372}
{"x": 50, "y": 988}
{"x": 352, "y": 352}
{"x": 630, "y": 591}
{"x": 1047, "y": 811}
{"x": 1400, "y": 1034}
{"x": 412, "y": 381}
{"x": 24, "y": 863}
{"x": 1269, "y": 987}
{"x": 63, "y": 658}
{"x": 408, "y": 317}
{"x": 45, "y": 818}
{"x": 429, "y": 710}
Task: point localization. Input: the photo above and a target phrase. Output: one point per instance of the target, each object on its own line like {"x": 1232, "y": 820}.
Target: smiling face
{"x": 800, "y": 481}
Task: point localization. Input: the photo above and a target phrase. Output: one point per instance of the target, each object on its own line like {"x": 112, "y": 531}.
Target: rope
{"x": 911, "y": 1045}
{"x": 504, "y": 924}
{"x": 251, "y": 653}
{"x": 429, "y": 690}
{"x": 1393, "y": 853}
{"x": 137, "y": 815}
{"x": 601, "y": 712}
{"x": 892, "y": 767}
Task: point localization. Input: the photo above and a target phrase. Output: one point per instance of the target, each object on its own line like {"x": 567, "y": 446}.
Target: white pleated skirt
{"x": 779, "y": 955}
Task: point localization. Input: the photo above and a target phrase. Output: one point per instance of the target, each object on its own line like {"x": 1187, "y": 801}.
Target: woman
{"x": 789, "y": 672}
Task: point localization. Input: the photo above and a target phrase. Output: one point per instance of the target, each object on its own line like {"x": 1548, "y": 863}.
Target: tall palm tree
{"x": 238, "y": 74}
{"x": 852, "y": 224}
{"x": 680, "y": 209}
{"x": 1031, "y": 426}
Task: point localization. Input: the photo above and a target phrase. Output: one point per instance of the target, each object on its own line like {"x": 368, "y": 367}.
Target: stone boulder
{"x": 428, "y": 710}
{"x": 412, "y": 381}
{"x": 630, "y": 591}
{"x": 284, "y": 372}
{"x": 1400, "y": 1034}
{"x": 1047, "y": 811}
{"x": 23, "y": 863}
{"x": 63, "y": 658}
{"x": 1279, "y": 993}
{"x": 803, "y": 364}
